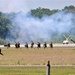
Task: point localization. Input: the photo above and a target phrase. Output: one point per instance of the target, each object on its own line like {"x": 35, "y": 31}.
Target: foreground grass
{"x": 36, "y": 71}
{"x": 63, "y": 71}
{"x": 22, "y": 71}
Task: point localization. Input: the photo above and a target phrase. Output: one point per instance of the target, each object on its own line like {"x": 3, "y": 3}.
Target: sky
{"x": 27, "y": 5}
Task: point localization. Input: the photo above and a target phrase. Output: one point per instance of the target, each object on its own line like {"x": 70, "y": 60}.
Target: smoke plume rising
{"x": 32, "y": 28}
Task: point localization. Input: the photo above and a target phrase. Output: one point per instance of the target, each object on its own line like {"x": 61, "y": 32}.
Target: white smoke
{"x": 31, "y": 28}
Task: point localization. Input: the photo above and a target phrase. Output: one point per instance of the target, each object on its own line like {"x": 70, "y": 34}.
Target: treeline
{"x": 6, "y": 20}
{"x": 70, "y": 8}
{"x": 40, "y": 12}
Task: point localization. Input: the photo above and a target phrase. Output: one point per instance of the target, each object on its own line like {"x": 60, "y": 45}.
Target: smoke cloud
{"x": 31, "y": 28}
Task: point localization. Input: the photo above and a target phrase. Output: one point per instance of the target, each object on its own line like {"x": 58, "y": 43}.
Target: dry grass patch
{"x": 57, "y": 56}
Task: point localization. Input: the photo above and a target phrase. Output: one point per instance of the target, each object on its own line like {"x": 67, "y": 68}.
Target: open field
{"x": 34, "y": 56}
{"x": 25, "y": 61}
{"x": 36, "y": 71}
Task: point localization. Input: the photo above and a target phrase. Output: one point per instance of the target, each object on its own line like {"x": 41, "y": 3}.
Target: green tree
{"x": 40, "y": 12}
{"x": 70, "y": 8}
{"x": 5, "y": 24}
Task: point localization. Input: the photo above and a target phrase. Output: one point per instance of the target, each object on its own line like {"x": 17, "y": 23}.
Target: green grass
{"x": 22, "y": 71}
{"x": 36, "y": 71}
{"x": 63, "y": 71}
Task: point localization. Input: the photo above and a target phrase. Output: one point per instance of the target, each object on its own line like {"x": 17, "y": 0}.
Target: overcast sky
{"x": 27, "y": 5}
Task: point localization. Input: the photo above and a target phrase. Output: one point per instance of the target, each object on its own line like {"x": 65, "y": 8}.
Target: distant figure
{"x": 38, "y": 45}
{"x": 32, "y": 44}
{"x": 51, "y": 45}
{"x": 1, "y": 52}
{"x": 45, "y": 45}
{"x": 26, "y": 45}
{"x": 18, "y": 44}
{"x": 8, "y": 45}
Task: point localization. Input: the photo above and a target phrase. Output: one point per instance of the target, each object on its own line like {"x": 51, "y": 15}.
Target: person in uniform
{"x": 45, "y": 45}
{"x": 1, "y": 52}
{"x": 18, "y": 44}
{"x": 8, "y": 45}
{"x": 26, "y": 45}
{"x": 38, "y": 45}
{"x": 32, "y": 44}
{"x": 51, "y": 45}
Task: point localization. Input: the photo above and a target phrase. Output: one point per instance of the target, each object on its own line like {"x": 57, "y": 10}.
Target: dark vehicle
{"x": 5, "y": 45}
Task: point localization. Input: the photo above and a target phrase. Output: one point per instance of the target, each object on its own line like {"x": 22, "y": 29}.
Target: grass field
{"x": 36, "y": 71}
{"x": 26, "y": 57}
{"x": 57, "y": 56}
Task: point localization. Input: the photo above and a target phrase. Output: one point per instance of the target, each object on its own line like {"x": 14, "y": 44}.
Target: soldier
{"x": 26, "y": 45}
{"x": 45, "y": 45}
{"x": 51, "y": 45}
{"x": 8, "y": 45}
{"x": 38, "y": 45}
{"x": 32, "y": 43}
{"x": 18, "y": 44}
{"x": 0, "y": 50}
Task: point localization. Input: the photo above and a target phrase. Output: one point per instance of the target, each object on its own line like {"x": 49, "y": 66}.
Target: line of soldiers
{"x": 17, "y": 45}
{"x": 39, "y": 45}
